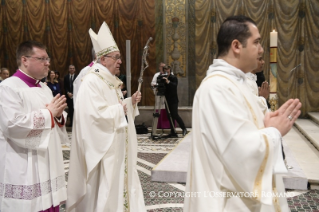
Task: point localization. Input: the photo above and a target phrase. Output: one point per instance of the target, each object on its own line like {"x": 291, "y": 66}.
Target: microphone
{"x": 295, "y": 67}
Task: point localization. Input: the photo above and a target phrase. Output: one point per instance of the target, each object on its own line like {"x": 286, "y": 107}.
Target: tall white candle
{"x": 273, "y": 39}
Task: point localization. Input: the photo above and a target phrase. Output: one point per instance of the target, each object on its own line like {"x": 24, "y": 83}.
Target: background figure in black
{"x": 68, "y": 88}
{"x": 60, "y": 81}
{"x": 261, "y": 79}
{"x": 53, "y": 84}
{"x": 122, "y": 77}
{"x": 172, "y": 100}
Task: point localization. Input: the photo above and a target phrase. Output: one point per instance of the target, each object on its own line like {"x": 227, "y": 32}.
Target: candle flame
{"x": 274, "y": 30}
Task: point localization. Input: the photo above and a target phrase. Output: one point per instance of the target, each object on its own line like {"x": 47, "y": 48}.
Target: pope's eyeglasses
{"x": 116, "y": 57}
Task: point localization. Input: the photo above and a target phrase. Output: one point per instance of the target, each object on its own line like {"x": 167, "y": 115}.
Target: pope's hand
{"x": 136, "y": 97}
{"x": 57, "y": 105}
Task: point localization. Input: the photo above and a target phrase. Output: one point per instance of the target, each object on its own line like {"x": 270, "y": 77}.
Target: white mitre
{"x": 103, "y": 42}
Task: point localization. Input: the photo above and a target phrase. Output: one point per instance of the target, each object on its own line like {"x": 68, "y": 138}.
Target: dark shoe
{"x": 184, "y": 132}
{"x": 170, "y": 136}
{"x": 173, "y": 135}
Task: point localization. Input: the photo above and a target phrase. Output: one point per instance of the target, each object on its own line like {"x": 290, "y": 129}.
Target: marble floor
{"x": 151, "y": 152}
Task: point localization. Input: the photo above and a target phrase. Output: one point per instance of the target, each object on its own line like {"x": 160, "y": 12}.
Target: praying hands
{"x": 57, "y": 105}
{"x": 264, "y": 90}
{"x": 283, "y": 118}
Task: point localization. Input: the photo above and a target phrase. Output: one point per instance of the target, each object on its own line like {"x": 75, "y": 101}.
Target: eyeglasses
{"x": 116, "y": 57}
{"x": 42, "y": 59}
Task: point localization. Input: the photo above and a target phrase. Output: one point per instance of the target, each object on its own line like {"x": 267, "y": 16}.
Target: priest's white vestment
{"x": 103, "y": 175}
{"x": 31, "y": 168}
{"x": 231, "y": 149}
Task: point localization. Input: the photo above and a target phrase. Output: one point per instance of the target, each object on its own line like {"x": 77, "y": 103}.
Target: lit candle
{"x": 273, "y": 38}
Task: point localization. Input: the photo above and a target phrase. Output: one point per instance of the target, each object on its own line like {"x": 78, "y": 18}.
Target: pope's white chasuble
{"x": 103, "y": 175}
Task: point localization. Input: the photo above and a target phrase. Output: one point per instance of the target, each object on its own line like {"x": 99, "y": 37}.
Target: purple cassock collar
{"x": 91, "y": 64}
{"x": 31, "y": 82}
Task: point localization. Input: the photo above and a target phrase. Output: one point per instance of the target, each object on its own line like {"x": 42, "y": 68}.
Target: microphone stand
{"x": 290, "y": 74}
{"x": 294, "y": 68}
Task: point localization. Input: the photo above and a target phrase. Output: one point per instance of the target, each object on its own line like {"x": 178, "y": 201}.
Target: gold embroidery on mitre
{"x": 103, "y": 42}
{"x": 107, "y": 51}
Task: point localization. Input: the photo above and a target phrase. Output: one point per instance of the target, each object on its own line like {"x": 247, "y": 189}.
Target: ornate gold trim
{"x": 260, "y": 173}
{"x": 275, "y": 197}
{"x": 107, "y": 51}
{"x": 273, "y": 55}
{"x": 126, "y": 205}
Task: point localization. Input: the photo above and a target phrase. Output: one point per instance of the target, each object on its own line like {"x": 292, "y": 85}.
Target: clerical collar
{"x": 30, "y": 81}
{"x": 251, "y": 76}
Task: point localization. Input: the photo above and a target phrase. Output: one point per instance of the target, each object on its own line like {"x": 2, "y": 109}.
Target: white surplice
{"x": 78, "y": 80}
{"x": 31, "y": 168}
{"x": 231, "y": 149}
{"x": 251, "y": 81}
{"x": 101, "y": 138}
